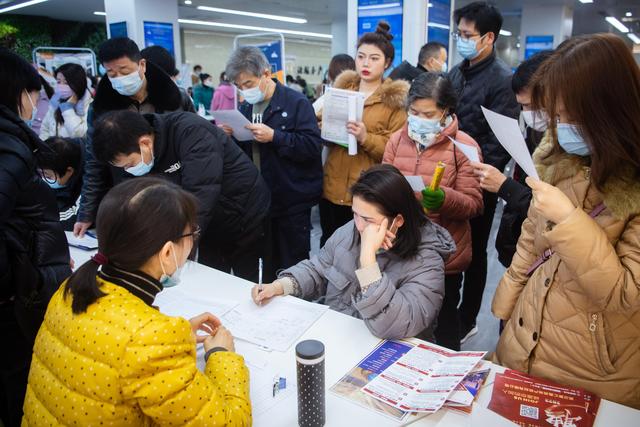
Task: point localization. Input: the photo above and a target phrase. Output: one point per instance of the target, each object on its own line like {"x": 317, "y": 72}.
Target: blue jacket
{"x": 291, "y": 164}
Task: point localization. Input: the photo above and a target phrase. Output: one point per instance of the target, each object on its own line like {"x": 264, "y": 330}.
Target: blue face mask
{"x": 55, "y": 184}
{"x": 34, "y": 111}
{"x": 169, "y": 281}
{"x": 571, "y": 141}
{"x": 468, "y": 48}
{"x": 423, "y": 131}
{"x": 253, "y": 95}
{"x": 141, "y": 168}
{"x": 127, "y": 85}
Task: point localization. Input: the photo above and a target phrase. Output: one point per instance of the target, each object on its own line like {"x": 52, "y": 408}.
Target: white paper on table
{"x": 467, "y": 150}
{"x": 235, "y": 120}
{"x": 260, "y": 378}
{"x": 174, "y": 302}
{"x": 510, "y": 137}
{"x": 86, "y": 243}
{"x": 422, "y": 379}
{"x": 416, "y": 182}
{"x": 276, "y": 325}
{"x": 336, "y": 112}
{"x": 353, "y": 144}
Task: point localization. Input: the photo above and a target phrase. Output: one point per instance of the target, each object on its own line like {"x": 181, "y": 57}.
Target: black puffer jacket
{"x": 34, "y": 256}
{"x": 163, "y": 96}
{"x": 199, "y": 157}
{"x": 487, "y": 84}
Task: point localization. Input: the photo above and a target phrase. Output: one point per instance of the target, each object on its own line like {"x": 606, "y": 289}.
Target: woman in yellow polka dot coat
{"x": 120, "y": 362}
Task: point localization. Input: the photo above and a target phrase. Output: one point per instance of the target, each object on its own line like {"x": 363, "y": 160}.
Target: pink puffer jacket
{"x": 463, "y": 196}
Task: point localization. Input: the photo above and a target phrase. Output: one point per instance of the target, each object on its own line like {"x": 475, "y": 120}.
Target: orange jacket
{"x": 463, "y": 196}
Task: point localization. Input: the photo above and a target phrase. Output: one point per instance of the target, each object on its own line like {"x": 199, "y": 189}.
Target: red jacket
{"x": 463, "y": 196}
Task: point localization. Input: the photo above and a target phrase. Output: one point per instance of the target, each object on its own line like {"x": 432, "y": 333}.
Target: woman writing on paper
{"x": 383, "y": 114}
{"x": 573, "y": 315}
{"x": 104, "y": 354}
{"x": 415, "y": 150}
{"x": 386, "y": 266}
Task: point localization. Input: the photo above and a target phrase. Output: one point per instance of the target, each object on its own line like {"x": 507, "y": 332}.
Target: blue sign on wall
{"x": 118, "y": 29}
{"x": 159, "y": 34}
{"x": 535, "y": 44}
{"x": 439, "y": 19}
{"x": 274, "y": 54}
{"x": 370, "y": 12}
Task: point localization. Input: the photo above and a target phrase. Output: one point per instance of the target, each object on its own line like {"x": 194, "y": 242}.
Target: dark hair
{"x": 338, "y": 64}
{"x": 46, "y": 87}
{"x": 289, "y": 78}
{"x": 597, "y": 80}
{"x": 65, "y": 153}
{"x": 117, "y": 48}
{"x": 161, "y": 57}
{"x": 434, "y": 86}
{"x": 76, "y": 78}
{"x": 135, "y": 219}
{"x": 430, "y": 50}
{"x": 525, "y": 71}
{"x": 386, "y": 188}
{"x": 197, "y": 66}
{"x": 223, "y": 77}
{"x": 17, "y": 76}
{"x": 204, "y": 76}
{"x": 117, "y": 132}
{"x": 380, "y": 38}
{"x": 485, "y": 16}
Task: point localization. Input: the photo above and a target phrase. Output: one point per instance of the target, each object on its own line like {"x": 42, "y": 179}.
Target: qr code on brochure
{"x": 529, "y": 411}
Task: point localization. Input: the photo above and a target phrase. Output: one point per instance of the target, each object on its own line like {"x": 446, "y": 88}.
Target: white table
{"x": 347, "y": 341}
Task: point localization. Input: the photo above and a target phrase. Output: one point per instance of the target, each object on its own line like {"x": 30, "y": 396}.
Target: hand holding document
{"x": 236, "y": 121}
{"x": 340, "y": 107}
{"x": 87, "y": 243}
{"x": 467, "y": 150}
{"x": 510, "y": 137}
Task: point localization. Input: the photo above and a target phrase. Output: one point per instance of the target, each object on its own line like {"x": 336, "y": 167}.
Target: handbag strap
{"x": 547, "y": 253}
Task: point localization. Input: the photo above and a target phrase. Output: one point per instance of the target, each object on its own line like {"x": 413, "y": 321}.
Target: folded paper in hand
{"x": 236, "y": 121}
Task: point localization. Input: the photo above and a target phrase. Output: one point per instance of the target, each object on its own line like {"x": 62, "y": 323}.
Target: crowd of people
{"x": 130, "y": 157}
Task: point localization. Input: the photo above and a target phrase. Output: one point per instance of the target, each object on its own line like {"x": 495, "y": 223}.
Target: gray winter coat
{"x": 402, "y": 296}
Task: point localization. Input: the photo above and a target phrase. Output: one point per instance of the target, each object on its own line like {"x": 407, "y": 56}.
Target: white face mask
{"x": 536, "y": 120}
{"x": 127, "y": 85}
{"x": 253, "y": 95}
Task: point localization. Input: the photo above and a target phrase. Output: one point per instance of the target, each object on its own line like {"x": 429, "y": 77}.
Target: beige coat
{"x": 576, "y": 320}
{"x": 384, "y": 113}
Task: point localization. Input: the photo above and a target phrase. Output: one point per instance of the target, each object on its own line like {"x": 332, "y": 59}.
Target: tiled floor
{"x": 487, "y": 335}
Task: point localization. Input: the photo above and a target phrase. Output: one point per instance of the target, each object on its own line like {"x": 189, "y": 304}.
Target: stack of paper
{"x": 422, "y": 379}
{"x": 339, "y": 107}
{"x": 276, "y": 325}
{"x": 87, "y": 243}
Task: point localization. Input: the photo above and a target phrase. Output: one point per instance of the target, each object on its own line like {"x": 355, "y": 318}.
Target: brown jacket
{"x": 463, "y": 196}
{"x": 576, "y": 320}
{"x": 384, "y": 113}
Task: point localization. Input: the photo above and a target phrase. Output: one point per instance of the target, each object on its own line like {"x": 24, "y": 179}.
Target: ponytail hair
{"x": 381, "y": 38}
{"x": 135, "y": 220}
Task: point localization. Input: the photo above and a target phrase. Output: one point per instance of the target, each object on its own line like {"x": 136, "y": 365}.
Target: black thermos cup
{"x": 310, "y": 372}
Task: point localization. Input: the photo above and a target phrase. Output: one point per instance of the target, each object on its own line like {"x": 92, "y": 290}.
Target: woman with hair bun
{"x": 384, "y": 113}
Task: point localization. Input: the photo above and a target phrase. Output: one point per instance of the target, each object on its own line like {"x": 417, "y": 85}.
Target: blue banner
{"x": 439, "y": 22}
{"x": 370, "y": 12}
{"x": 273, "y": 52}
{"x": 159, "y": 34}
{"x": 535, "y": 44}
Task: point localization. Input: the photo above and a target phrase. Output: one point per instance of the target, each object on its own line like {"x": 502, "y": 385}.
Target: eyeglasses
{"x": 457, "y": 35}
{"x": 197, "y": 231}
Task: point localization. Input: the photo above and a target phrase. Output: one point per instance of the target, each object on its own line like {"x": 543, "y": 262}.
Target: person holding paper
{"x": 571, "y": 298}
{"x": 415, "y": 150}
{"x": 384, "y": 113}
{"x": 105, "y": 354}
{"x": 481, "y": 79}
{"x": 188, "y": 150}
{"x": 386, "y": 266}
{"x": 513, "y": 190}
{"x": 286, "y": 149}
